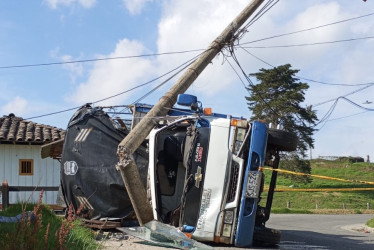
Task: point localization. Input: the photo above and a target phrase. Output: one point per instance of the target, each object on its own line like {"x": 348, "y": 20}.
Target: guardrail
{"x": 5, "y": 189}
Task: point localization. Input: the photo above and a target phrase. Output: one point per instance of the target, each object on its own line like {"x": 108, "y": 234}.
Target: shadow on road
{"x": 295, "y": 239}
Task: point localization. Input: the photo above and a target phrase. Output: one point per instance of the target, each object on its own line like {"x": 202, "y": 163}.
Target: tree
{"x": 277, "y": 99}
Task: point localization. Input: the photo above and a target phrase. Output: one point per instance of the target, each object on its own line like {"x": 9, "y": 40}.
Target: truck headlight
{"x": 226, "y": 232}
{"x": 229, "y": 217}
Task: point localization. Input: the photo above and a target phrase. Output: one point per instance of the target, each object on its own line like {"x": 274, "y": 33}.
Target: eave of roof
{"x": 18, "y": 131}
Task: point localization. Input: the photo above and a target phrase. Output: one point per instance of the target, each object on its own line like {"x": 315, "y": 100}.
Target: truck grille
{"x": 233, "y": 182}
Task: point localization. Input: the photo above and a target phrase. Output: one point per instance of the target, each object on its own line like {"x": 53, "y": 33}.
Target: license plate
{"x": 253, "y": 184}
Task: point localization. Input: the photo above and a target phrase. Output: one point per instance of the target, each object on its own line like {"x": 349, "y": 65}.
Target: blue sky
{"x": 47, "y": 31}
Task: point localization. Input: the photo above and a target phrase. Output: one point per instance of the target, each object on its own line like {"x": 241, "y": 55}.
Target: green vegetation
{"x": 352, "y": 202}
{"x": 44, "y": 230}
{"x": 290, "y": 211}
{"x": 370, "y": 223}
{"x": 278, "y": 98}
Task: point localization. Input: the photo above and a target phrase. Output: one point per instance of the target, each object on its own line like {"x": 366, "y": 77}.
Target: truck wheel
{"x": 282, "y": 140}
{"x": 264, "y": 236}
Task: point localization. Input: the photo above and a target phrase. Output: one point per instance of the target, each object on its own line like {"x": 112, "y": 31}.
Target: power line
{"x": 98, "y": 59}
{"x": 240, "y": 33}
{"x": 308, "y": 44}
{"x": 350, "y": 93}
{"x": 332, "y": 108}
{"x": 258, "y": 15}
{"x": 121, "y": 93}
{"x": 307, "y": 79}
{"x": 309, "y": 29}
{"x": 237, "y": 74}
{"x": 187, "y": 64}
{"x": 336, "y": 84}
{"x": 347, "y": 116}
{"x": 179, "y": 52}
{"x": 233, "y": 55}
{"x": 355, "y": 104}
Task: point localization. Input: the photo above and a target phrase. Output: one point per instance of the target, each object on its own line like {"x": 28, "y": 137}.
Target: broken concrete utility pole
{"x": 133, "y": 140}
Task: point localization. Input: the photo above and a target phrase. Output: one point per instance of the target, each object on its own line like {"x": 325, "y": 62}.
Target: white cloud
{"x": 84, "y": 3}
{"x": 135, "y": 6}
{"x": 183, "y": 26}
{"x": 111, "y": 77}
{"x": 17, "y": 106}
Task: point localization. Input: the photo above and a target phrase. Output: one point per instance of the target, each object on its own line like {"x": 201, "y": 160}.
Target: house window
{"x": 26, "y": 167}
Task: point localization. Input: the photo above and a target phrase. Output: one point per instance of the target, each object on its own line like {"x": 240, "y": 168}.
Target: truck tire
{"x": 282, "y": 140}
{"x": 264, "y": 236}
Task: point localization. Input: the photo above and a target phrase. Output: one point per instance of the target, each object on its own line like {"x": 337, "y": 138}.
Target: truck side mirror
{"x": 186, "y": 100}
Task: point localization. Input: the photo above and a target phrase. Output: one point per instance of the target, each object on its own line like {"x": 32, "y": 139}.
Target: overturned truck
{"x": 203, "y": 171}
{"x": 205, "y": 175}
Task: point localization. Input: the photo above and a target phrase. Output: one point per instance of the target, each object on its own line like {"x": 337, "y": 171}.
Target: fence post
{"x": 5, "y": 194}
{"x": 368, "y": 206}
{"x": 344, "y": 206}
{"x": 288, "y": 204}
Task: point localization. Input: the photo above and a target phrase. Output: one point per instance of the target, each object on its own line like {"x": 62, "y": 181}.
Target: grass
{"x": 290, "y": 211}
{"x": 44, "y": 231}
{"x": 370, "y": 223}
{"x": 313, "y": 201}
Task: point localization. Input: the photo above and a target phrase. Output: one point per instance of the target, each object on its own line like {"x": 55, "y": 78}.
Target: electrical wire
{"x": 347, "y": 116}
{"x": 308, "y": 44}
{"x": 350, "y": 93}
{"x": 98, "y": 59}
{"x": 326, "y": 117}
{"x": 253, "y": 20}
{"x": 336, "y": 84}
{"x": 233, "y": 56}
{"x": 332, "y": 108}
{"x": 307, "y": 79}
{"x": 240, "y": 33}
{"x": 237, "y": 74}
{"x": 309, "y": 29}
{"x": 258, "y": 15}
{"x": 188, "y": 63}
{"x": 107, "y": 98}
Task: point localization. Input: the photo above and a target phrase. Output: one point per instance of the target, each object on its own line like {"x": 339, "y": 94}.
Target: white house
{"x": 21, "y": 163}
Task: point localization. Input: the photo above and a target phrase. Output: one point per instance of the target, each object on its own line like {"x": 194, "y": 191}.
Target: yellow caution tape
{"x": 320, "y": 189}
{"x": 318, "y": 176}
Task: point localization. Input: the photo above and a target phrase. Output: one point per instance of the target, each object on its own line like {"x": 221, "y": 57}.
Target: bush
{"x": 293, "y": 162}
{"x": 370, "y": 223}
{"x": 351, "y": 159}
{"x": 42, "y": 229}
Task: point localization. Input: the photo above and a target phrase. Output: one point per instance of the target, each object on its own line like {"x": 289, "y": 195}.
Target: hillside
{"x": 356, "y": 201}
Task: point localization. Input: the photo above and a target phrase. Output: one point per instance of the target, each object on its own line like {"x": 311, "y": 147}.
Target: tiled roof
{"x": 15, "y": 129}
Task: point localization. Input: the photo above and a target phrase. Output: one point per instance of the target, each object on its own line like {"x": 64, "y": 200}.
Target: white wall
{"x": 46, "y": 172}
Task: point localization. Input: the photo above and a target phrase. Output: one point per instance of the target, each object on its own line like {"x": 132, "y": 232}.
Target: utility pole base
{"x": 135, "y": 189}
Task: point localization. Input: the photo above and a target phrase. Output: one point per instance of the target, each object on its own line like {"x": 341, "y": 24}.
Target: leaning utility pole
{"x": 132, "y": 141}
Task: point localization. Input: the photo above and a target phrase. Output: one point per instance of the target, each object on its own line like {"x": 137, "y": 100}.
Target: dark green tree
{"x": 277, "y": 99}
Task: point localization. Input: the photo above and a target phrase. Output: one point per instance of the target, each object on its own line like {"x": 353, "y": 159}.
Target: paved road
{"x": 323, "y": 231}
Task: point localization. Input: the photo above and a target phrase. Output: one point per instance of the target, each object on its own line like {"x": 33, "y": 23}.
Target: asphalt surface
{"x": 300, "y": 231}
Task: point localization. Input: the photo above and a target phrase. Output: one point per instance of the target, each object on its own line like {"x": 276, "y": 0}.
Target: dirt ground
{"x": 117, "y": 240}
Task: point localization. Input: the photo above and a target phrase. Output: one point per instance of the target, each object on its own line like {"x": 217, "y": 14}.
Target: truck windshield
{"x": 180, "y": 154}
